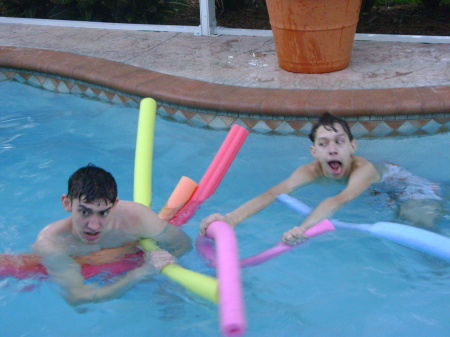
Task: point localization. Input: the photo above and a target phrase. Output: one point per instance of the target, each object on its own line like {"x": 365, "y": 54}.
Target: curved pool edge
{"x": 370, "y": 112}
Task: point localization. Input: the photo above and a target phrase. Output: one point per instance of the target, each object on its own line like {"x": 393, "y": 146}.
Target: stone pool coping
{"x": 370, "y": 112}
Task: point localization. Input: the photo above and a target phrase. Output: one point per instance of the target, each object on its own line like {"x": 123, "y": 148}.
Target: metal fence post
{"x": 207, "y": 17}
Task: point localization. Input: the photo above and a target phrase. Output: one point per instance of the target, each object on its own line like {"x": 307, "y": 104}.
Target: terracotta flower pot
{"x": 313, "y": 36}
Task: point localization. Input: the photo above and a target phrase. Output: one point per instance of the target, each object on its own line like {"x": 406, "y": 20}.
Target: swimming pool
{"x": 345, "y": 283}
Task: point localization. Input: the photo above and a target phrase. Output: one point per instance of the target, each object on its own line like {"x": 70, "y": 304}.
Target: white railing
{"x": 208, "y": 27}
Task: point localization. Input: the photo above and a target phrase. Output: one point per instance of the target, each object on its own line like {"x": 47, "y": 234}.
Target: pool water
{"x": 345, "y": 283}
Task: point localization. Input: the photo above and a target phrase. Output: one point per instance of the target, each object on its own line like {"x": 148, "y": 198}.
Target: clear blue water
{"x": 346, "y": 283}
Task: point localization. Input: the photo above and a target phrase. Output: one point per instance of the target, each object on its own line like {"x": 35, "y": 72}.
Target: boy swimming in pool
{"x": 99, "y": 220}
{"x": 334, "y": 152}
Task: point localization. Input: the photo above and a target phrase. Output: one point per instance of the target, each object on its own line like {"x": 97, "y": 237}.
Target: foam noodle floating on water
{"x": 180, "y": 195}
{"x": 322, "y": 227}
{"x": 409, "y": 236}
{"x": 231, "y": 303}
{"x": 144, "y": 152}
{"x": 213, "y": 175}
{"x": 206, "y": 247}
{"x": 413, "y": 237}
{"x": 200, "y": 284}
{"x": 28, "y": 265}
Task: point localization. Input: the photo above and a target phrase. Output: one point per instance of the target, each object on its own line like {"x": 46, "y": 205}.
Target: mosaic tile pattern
{"x": 362, "y": 126}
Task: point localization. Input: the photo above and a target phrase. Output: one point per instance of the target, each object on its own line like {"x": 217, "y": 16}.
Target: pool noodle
{"x": 231, "y": 303}
{"x": 143, "y": 194}
{"x": 409, "y": 236}
{"x": 27, "y": 265}
{"x": 206, "y": 247}
{"x": 21, "y": 266}
{"x": 144, "y": 152}
{"x": 202, "y": 285}
{"x": 415, "y": 238}
{"x": 180, "y": 195}
{"x": 213, "y": 175}
{"x": 322, "y": 227}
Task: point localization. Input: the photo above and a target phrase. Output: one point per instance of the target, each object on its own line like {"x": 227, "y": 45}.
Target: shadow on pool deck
{"x": 388, "y": 89}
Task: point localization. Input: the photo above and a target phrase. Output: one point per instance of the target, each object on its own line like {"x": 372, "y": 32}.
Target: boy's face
{"x": 89, "y": 220}
{"x": 334, "y": 150}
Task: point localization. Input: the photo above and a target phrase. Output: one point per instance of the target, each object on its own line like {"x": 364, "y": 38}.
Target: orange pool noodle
{"x": 180, "y": 195}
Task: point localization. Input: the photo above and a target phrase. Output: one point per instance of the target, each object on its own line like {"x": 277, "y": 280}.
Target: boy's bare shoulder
{"x": 55, "y": 228}
{"x": 313, "y": 169}
{"x": 130, "y": 211}
{"x": 303, "y": 175}
{"x": 135, "y": 218}
{"x": 47, "y": 240}
{"x": 359, "y": 162}
{"x": 365, "y": 168}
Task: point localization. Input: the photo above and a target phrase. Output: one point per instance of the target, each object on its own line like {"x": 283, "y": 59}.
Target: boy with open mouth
{"x": 333, "y": 150}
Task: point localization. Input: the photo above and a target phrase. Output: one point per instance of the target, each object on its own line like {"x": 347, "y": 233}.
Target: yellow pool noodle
{"x": 203, "y": 285}
{"x": 200, "y": 284}
{"x": 144, "y": 152}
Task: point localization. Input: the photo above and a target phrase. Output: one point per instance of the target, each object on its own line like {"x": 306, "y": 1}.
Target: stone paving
{"x": 389, "y": 89}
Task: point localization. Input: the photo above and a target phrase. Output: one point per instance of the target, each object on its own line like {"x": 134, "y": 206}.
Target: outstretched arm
{"x": 360, "y": 179}
{"x": 301, "y": 176}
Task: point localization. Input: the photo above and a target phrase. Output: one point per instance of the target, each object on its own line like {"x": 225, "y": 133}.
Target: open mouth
{"x": 92, "y": 236}
{"x": 335, "y": 166}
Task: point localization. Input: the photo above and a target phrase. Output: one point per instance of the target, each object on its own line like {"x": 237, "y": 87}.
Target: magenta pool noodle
{"x": 322, "y": 227}
{"x": 231, "y": 303}
{"x": 206, "y": 247}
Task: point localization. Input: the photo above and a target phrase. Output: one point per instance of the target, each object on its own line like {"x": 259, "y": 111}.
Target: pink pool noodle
{"x": 213, "y": 175}
{"x": 27, "y": 265}
{"x": 321, "y": 228}
{"x": 206, "y": 247}
{"x": 231, "y": 304}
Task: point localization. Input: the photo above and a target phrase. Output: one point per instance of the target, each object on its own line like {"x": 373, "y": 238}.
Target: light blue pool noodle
{"x": 412, "y": 237}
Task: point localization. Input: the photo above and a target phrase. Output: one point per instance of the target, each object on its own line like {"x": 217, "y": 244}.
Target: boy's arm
{"x": 360, "y": 179}
{"x": 174, "y": 239}
{"x": 149, "y": 225}
{"x": 301, "y": 176}
{"x": 67, "y": 273}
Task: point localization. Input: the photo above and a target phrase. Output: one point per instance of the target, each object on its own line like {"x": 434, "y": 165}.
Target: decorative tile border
{"x": 208, "y": 105}
{"x": 68, "y": 86}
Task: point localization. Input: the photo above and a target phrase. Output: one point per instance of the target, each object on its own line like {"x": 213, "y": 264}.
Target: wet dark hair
{"x": 327, "y": 120}
{"x": 92, "y": 183}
